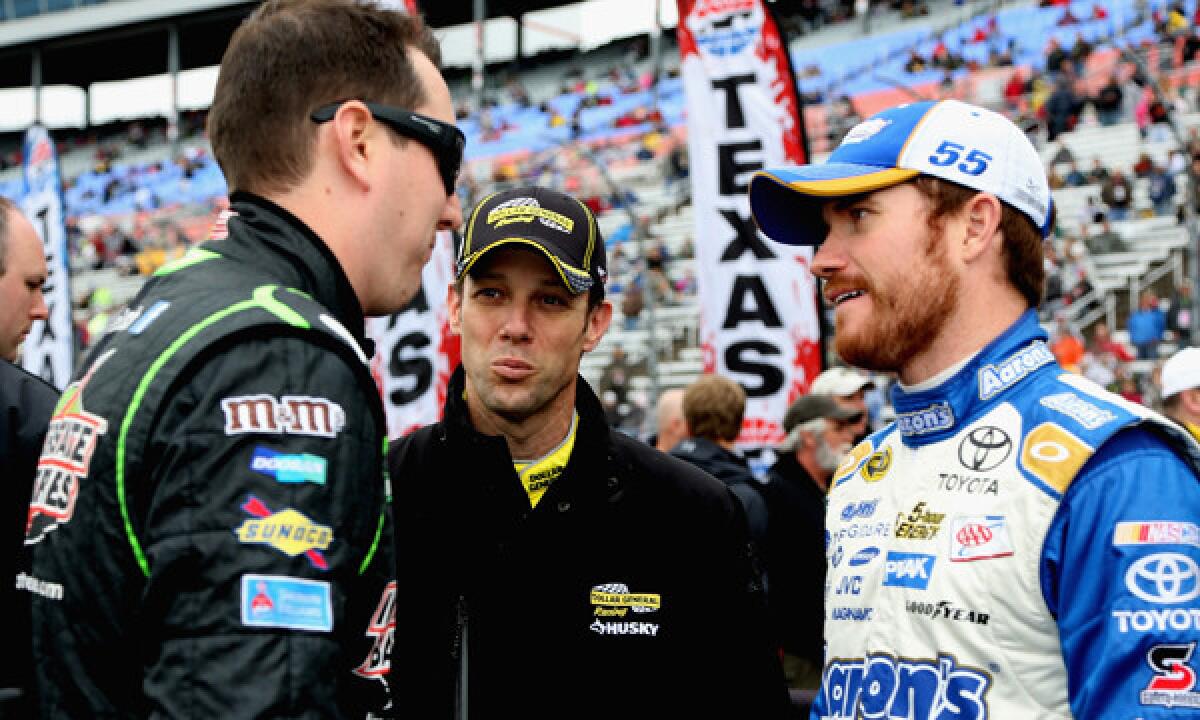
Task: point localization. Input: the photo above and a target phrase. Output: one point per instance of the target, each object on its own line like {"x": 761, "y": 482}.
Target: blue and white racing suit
{"x": 1018, "y": 544}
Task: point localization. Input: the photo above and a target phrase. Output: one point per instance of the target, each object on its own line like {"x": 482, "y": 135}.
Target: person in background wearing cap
{"x": 820, "y": 431}
{"x": 557, "y": 567}
{"x": 1181, "y": 389}
{"x": 848, "y": 387}
{"x": 209, "y": 529}
{"x": 1004, "y": 546}
{"x": 26, "y": 403}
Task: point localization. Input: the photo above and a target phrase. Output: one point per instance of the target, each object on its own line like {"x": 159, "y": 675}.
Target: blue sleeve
{"x": 1120, "y": 572}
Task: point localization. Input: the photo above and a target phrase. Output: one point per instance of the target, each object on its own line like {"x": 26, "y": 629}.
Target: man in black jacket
{"x": 209, "y": 530}
{"x": 820, "y": 432}
{"x": 25, "y": 406}
{"x": 556, "y": 568}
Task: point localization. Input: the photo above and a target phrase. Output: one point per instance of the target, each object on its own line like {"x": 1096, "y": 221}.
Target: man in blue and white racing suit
{"x": 1019, "y": 543}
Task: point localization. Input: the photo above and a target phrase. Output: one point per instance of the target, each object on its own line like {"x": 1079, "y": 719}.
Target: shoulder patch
{"x": 1087, "y": 414}
{"x": 1054, "y": 455}
{"x": 851, "y": 462}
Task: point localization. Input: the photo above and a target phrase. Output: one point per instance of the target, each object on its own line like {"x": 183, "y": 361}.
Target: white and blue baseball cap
{"x": 948, "y": 139}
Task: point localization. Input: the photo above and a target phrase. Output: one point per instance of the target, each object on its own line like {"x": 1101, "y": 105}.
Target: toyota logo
{"x": 1164, "y": 578}
{"x": 984, "y": 448}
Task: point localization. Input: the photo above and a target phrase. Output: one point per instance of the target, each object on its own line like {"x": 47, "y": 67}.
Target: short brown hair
{"x": 713, "y": 407}
{"x": 289, "y": 58}
{"x": 1022, "y": 241}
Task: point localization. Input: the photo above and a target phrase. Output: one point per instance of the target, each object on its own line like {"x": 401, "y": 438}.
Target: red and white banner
{"x": 414, "y": 349}
{"x": 758, "y": 322}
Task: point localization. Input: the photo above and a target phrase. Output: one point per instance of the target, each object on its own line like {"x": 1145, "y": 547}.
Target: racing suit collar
{"x": 309, "y": 265}
{"x": 594, "y": 451}
{"x": 933, "y": 414}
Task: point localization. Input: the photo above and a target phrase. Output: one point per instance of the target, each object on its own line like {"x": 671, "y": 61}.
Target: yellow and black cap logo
{"x": 558, "y": 225}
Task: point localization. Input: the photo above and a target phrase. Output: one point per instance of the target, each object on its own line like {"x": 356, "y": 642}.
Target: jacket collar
{"x": 266, "y": 236}
{"x": 594, "y": 448}
{"x": 932, "y": 415}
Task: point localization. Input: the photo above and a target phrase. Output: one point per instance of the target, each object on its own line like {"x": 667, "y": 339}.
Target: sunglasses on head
{"x": 444, "y": 140}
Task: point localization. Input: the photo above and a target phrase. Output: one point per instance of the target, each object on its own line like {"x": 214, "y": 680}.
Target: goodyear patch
{"x": 288, "y": 531}
{"x": 280, "y": 601}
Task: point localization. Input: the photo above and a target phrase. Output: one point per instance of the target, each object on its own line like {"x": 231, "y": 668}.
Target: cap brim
{"x": 575, "y": 280}
{"x": 785, "y": 201}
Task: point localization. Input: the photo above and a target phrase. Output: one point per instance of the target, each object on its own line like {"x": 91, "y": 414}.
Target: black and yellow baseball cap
{"x": 557, "y": 225}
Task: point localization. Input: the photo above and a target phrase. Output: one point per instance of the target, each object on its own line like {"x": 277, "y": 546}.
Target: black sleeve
{"x": 267, "y": 537}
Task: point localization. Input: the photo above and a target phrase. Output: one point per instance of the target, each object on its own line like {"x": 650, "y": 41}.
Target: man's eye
{"x": 554, "y": 300}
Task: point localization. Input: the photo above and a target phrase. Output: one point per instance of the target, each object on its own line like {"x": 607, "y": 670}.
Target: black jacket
{"x": 26, "y": 402}
{"x": 735, "y": 472}
{"x": 629, "y": 592}
{"x": 795, "y": 555}
{"x": 205, "y": 530}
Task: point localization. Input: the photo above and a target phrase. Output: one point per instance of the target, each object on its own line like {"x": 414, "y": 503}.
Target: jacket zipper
{"x": 459, "y": 652}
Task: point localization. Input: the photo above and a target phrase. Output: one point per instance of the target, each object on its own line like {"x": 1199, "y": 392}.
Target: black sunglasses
{"x": 444, "y": 140}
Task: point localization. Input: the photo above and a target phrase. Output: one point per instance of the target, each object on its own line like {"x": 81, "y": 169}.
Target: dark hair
{"x": 6, "y": 206}
{"x": 713, "y": 407}
{"x": 291, "y": 57}
{"x": 1023, "y": 257}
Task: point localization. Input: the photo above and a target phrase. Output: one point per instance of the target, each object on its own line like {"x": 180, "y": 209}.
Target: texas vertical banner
{"x": 758, "y": 315}
{"x": 49, "y": 350}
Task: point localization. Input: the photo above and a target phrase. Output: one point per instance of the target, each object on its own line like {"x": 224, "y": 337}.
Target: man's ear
{"x": 980, "y": 221}
{"x": 599, "y": 318}
{"x": 352, "y": 133}
{"x": 454, "y": 307}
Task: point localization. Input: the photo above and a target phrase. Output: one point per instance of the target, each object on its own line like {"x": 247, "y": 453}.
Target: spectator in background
{"x": 1061, "y": 109}
{"x": 818, "y": 436}
{"x": 1181, "y": 314}
{"x": 713, "y": 407}
{"x": 26, "y": 403}
{"x": 1066, "y": 345}
{"x": 848, "y": 387}
{"x": 1098, "y": 174}
{"x": 1055, "y": 56}
{"x": 1075, "y": 176}
{"x": 1108, "y": 100}
{"x": 1161, "y": 190}
{"x": 1102, "y": 343}
{"x": 1081, "y": 50}
{"x": 1117, "y": 194}
{"x": 1015, "y": 90}
{"x": 633, "y": 301}
{"x": 616, "y": 375}
{"x": 1181, "y": 389}
{"x": 672, "y": 426}
{"x": 1147, "y": 325}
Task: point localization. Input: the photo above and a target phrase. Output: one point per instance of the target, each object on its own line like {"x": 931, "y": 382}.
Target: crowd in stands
{"x": 149, "y": 191}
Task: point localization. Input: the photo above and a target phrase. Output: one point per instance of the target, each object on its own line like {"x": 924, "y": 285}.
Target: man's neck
{"x": 814, "y": 470}
{"x": 532, "y": 436}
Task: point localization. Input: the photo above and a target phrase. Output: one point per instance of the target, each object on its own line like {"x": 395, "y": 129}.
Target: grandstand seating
{"x": 837, "y": 63}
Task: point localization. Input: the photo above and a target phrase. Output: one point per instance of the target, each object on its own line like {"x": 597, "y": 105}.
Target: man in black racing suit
{"x": 209, "y": 533}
